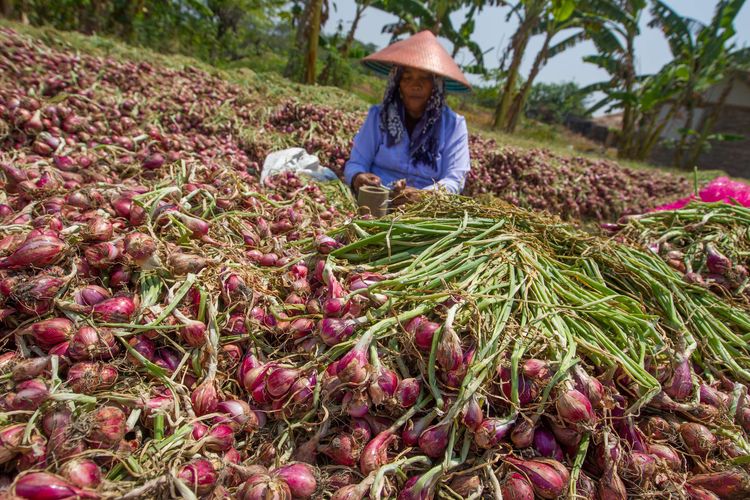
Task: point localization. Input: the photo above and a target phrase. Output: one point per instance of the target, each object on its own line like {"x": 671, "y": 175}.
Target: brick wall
{"x": 731, "y": 156}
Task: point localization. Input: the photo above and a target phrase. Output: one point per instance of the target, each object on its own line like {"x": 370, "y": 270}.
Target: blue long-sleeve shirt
{"x": 371, "y": 154}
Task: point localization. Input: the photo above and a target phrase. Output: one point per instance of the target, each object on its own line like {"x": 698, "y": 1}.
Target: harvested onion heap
{"x": 577, "y": 188}
{"x": 122, "y": 313}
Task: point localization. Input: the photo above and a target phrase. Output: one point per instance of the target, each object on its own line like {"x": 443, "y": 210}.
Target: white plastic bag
{"x": 296, "y": 160}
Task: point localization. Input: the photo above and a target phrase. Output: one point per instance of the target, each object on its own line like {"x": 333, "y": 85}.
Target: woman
{"x": 413, "y": 141}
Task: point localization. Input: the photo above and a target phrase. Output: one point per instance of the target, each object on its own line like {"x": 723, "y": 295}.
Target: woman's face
{"x": 416, "y": 87}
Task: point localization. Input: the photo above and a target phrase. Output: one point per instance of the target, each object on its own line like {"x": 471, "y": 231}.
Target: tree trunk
{"x": 122, "y": 18}
{"x": 653, "y": 135}
{"x": 94, "y": 16}
{"x": 295, "y": 61}
{"x": 520, "y": 100}
{"x": 643, "y": 134}
{"x": 6, "y": 8}
{"x": 312, "y": 42}
{"x": 519, "y": 43}
{"x": 689, "y": 120}
{"x": 709, "y": 122}
{"x": 347, "y": 45}
{"x": 629, "y": 115}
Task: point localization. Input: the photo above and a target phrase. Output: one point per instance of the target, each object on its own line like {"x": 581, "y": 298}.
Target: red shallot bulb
{"x": 300, "y": 477}
{"x": 107, "y": 427}
{"x": 199, "y": 475}
{"x": 264, "y": 487}
{"x": 574, "y": 407}
{"x": 82, "y": 472}
{"x": 43, "y": 485}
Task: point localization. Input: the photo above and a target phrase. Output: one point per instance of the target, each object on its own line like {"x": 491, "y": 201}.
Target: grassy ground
{"x": 366, "y": 89}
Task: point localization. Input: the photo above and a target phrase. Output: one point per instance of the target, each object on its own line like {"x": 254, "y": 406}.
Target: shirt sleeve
{"x": 457, "y": 156}
{"x": 364, "y": 149}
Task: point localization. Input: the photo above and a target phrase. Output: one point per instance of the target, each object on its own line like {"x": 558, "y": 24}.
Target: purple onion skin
{"x": 717, "y": 262}
{"x": 384, "y": 386}
{"x": 566, "y": 436}
{"x": 375, "y": 454}
{"x": 516, "y": 487}
{"x": 83, "y": 473}
{"x": 610, "y": 486}
{"x": 667, "y": 455}
{"x": 588, "y": 385}
{"x": 472, "y": 415}
{"x": 585, "y": 487}
{"x": 698, "y": 439}
{"x": 547, "y": 476}
{"x": 434, "y": 440}
{"x": 413, "y": 491}
{"x": 680, "y": 387}
{"x": 626, "y": 429}
{"x": 546, "y": 445}
{"x": 414, "y": 428}
{"x": 199, "y": 475}
{"x": 711, "y": 396}
{"x": 697, "y": 493}
{"x": 574, "y": 407}
{"x": 300, "y": 477}
{"x": 639, "y": 467}
{"x": 46, "y": 486}
{"x": 491, "y": 432}
{"x": 527, "y": 388}
{"x": 407, "y": 392}
{"x": 522, "y": 435}
{"x": 467, "y": 485}
{"x": 730, "y": 483}
{"x": 743, "y": 418}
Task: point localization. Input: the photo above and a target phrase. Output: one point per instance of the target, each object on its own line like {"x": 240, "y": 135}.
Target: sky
{"x": 492, "y": 33}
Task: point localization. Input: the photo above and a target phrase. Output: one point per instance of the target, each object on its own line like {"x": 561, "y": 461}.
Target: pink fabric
{"x": 720, "y": 189}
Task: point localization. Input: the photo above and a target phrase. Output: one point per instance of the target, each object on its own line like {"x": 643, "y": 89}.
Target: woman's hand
{"x": 404, "y": 194}
{"x": 365, "y": 179}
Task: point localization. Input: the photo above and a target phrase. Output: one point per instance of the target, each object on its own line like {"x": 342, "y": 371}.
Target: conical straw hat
{"x": 421, "y": 51}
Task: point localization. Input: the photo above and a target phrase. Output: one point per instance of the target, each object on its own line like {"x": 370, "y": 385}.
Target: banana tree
{"x": 530, "y": 14}
{"x": 346, "y": 46}
{"x": 708, "y": 58}
{"x": 613, "y": 32}
{"x": 702, "y": 58}
{"x": 303, "y": 56}
{"x": 557, "y": 17}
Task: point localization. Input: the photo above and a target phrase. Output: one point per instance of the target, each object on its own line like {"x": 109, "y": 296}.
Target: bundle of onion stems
{"x": 708, "y": 242}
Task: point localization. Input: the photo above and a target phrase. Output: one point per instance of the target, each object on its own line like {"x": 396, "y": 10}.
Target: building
{"x": 732, "y": 156}
{"x": 734, "y": 119}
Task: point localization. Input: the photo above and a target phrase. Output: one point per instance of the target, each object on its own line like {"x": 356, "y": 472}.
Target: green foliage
{"x": 485, "y": 95}
{"x": 550, "y": 19}
{"x": 337, "y": 70}
{"x": 563, "y": 9}
{"x": 213, "y": 30}
{"x": 553, "y": 102}
{"x": 436, "y": 16}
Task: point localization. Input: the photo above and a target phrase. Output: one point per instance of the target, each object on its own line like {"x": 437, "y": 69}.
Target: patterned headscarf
{"x": 425, "y": 141}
